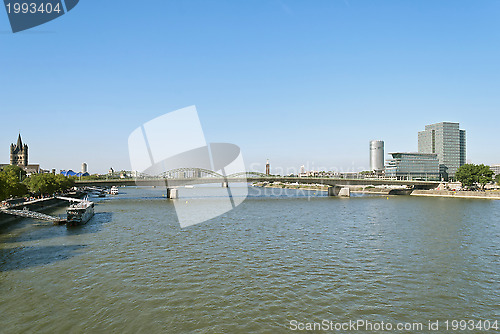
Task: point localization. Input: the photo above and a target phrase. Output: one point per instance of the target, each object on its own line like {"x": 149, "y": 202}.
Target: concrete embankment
{"x": 38, "y": 206}
{"x": 291, "y": 186}
{"x": 354, "y": 189}
{"x": 458, "y": 194}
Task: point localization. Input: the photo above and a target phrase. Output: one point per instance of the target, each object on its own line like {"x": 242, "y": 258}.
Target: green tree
{"x": 3, "y": 186}
{"x": 15, "y": 172}
{"x": 466, "y": 174}
{"x": 484, "y": 175}
{"x": 48, "y": 183}
{"x": 63, "y": 182}
{"x": 41, "y": 184}
{"x": 11, "y": 185}
{"x": 497, "y": 179}
{"x": 94, "y": 177}
{"x": 470, "y": 175}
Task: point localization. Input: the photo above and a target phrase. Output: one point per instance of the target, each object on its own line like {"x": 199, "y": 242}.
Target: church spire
{"x": 19, "y": 142}
{"x": 19, "y": 153}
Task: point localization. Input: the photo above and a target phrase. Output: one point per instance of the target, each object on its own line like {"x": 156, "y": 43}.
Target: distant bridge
{"x": 191, "y": 173}
{"x": 190, "y": 176}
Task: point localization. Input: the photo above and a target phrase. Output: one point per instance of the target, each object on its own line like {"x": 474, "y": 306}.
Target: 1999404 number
{"x": 32, "y": 8}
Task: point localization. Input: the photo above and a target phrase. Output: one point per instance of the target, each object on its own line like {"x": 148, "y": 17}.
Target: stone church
{"x": 19, "y": 157}
{"x": 19, "y": 153}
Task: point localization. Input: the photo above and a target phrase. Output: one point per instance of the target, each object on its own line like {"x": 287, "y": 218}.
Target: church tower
{"x": 19, "y": 153}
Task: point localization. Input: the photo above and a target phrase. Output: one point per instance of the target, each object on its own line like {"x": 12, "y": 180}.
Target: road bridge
{"x": 252, "y": 178}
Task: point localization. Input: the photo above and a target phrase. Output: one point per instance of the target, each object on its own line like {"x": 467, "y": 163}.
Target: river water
{"x": 281, "y": 259}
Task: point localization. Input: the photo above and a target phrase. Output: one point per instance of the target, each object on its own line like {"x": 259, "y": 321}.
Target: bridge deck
{"x": 305, "y": 180}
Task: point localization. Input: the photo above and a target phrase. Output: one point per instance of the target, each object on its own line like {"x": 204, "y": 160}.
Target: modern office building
{"x": 409, "y": 166}
{"x": 376, "y": 156}
{"x": 84, "y": 168}
{"x": 495, "y": 169}
{"x": 268, "y": 168}
{"x": 447, "y": 141}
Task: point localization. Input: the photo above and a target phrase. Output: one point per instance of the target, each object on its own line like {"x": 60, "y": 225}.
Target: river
{"x": 282, "y": 259}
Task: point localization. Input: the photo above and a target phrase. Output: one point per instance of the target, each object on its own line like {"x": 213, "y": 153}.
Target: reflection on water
{"x": 277, "y": 257}
{"x": 17, "y": 258}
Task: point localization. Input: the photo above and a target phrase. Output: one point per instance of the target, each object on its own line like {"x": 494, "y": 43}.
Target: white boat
{"x": 79, "y": 213}
{"x": 113, "y": 190}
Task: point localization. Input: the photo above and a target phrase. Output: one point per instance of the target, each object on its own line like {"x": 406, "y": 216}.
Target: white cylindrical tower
{"x": 377, "y": 155}
{"x": 84, "y": 168}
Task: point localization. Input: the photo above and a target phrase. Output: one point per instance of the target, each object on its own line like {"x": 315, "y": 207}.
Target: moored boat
{"x": 113, "y": 190}
{"x": 79, "y": 213}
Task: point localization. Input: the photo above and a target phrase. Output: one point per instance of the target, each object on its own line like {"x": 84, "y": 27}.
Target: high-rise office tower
{"x": 268, "y": 168}
{"x": 448, "y": 142}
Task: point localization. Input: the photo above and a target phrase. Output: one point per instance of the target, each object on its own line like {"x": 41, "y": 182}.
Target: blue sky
{"x": 298, "y": 82}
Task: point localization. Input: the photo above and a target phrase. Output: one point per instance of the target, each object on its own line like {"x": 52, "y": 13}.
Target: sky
{"x": 296, "y": 82}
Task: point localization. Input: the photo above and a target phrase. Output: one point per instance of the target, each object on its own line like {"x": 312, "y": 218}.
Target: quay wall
{"x": 458, "y": 194}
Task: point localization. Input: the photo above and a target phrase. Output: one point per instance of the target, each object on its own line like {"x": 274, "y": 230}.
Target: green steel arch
{"x": 193, "y": 173}
{"x": 247, "y": 174}
{"x": 190, "y": 173}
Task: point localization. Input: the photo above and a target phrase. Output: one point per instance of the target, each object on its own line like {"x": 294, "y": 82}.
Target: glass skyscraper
{"x": 447, "y": 141}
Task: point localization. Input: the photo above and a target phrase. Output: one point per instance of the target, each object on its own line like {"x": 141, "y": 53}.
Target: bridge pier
{"x": 339, "y": 191}
{"x": 172, "y": 193}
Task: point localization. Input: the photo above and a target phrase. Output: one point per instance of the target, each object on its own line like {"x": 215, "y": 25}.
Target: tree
{"x": 63, "y": 182}
{"x": 470, "y": 174}
{"x": 14, "y": 183}
{"x": 497, "y": 179}
{"x": 48, "y": 183}
{"x": 466, "y": 175}
{"x": 41, "y": 183}
{"x": 11, "y": 185}
{"x": 3, "y": 186}
{"x": 484, "y": 175}
{"x": 15, "y": 171}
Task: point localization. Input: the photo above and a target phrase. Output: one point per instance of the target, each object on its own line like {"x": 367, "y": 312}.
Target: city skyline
{"x": 376, "y": 159}
{"x": 267, "y": 166}
{"x": 307, "y": 84}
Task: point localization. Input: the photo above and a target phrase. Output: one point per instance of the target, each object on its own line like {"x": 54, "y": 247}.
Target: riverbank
{"x": 38, "y": 205}
{"x": 458, "y": 194}
{"x": 389, "y": 191}
{"x": 323, "y": 187}
{"x": 276, "y": 185}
